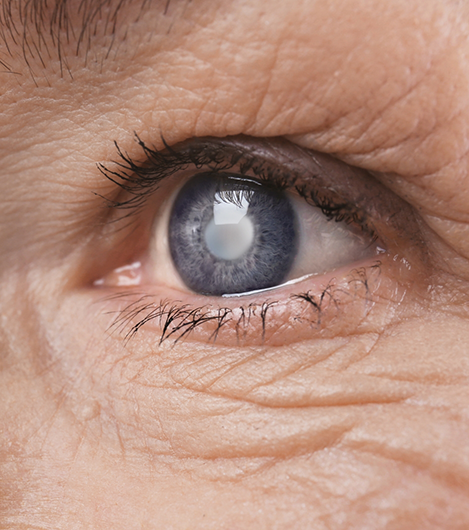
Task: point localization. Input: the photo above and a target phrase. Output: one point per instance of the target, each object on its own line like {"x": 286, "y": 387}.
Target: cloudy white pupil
{"x": 230, "y": 233}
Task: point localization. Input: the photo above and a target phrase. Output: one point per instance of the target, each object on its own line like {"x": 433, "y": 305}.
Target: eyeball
{"x": 230, "y": 235}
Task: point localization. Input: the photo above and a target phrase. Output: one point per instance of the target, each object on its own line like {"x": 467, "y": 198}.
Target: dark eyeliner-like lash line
{"x": 138, "y": 180}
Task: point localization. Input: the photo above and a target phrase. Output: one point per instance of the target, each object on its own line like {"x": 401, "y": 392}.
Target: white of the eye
{"x": 325, "y": 244}
{"x": 230, "y": 233}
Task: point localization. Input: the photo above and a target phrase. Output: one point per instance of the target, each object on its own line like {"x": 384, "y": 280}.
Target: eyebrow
{"x": 35, "y": 31}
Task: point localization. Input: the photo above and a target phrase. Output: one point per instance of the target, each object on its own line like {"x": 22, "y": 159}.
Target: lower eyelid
{"x": 283, "y": 316}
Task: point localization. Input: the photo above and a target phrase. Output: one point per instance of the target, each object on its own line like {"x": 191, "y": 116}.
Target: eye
{"x": 214, "y": 234}
{"x": 229, "y": 234}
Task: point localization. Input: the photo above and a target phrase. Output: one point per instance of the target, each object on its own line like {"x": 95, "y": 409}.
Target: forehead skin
{"x": 145, "y": 443}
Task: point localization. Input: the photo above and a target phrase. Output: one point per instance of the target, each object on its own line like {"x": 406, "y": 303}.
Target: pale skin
{"x": 361, "y": 422}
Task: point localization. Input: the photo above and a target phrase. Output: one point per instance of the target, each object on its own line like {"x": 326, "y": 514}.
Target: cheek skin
{"x": 267, "y": 428}
{"x": 211, "y": 396}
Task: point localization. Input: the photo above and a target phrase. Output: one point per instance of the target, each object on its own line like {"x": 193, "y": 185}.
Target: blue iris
{"x": 228, "y": 234}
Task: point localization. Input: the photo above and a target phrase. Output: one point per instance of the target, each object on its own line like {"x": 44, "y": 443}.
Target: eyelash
{"x": 178, "y": 320}
{"x": 137, "y": 181}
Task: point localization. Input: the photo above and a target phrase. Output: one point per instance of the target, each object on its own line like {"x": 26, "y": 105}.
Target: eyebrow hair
{"x": 29, "y": 27}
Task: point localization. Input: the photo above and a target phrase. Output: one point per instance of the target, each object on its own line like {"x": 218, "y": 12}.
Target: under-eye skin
{"x": 309, "y": 234}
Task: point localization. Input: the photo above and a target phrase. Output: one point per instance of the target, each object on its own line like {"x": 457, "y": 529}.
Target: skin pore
{"x": 358, "y": 419}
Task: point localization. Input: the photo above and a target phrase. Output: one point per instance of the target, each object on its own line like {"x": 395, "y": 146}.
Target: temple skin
{"x": 361, "y": 422}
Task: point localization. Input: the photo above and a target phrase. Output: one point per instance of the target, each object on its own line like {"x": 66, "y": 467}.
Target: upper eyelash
{"x": 139, "y": 179}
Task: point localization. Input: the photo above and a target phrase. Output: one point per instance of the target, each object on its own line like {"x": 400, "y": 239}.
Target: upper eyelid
{"x": 313, "y": 174}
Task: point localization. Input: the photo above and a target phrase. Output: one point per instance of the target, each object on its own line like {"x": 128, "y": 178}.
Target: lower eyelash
{"x": 177, "y": 321}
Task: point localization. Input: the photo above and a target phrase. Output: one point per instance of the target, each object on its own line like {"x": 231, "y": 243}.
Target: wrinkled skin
{"x": 362, "y": 423}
